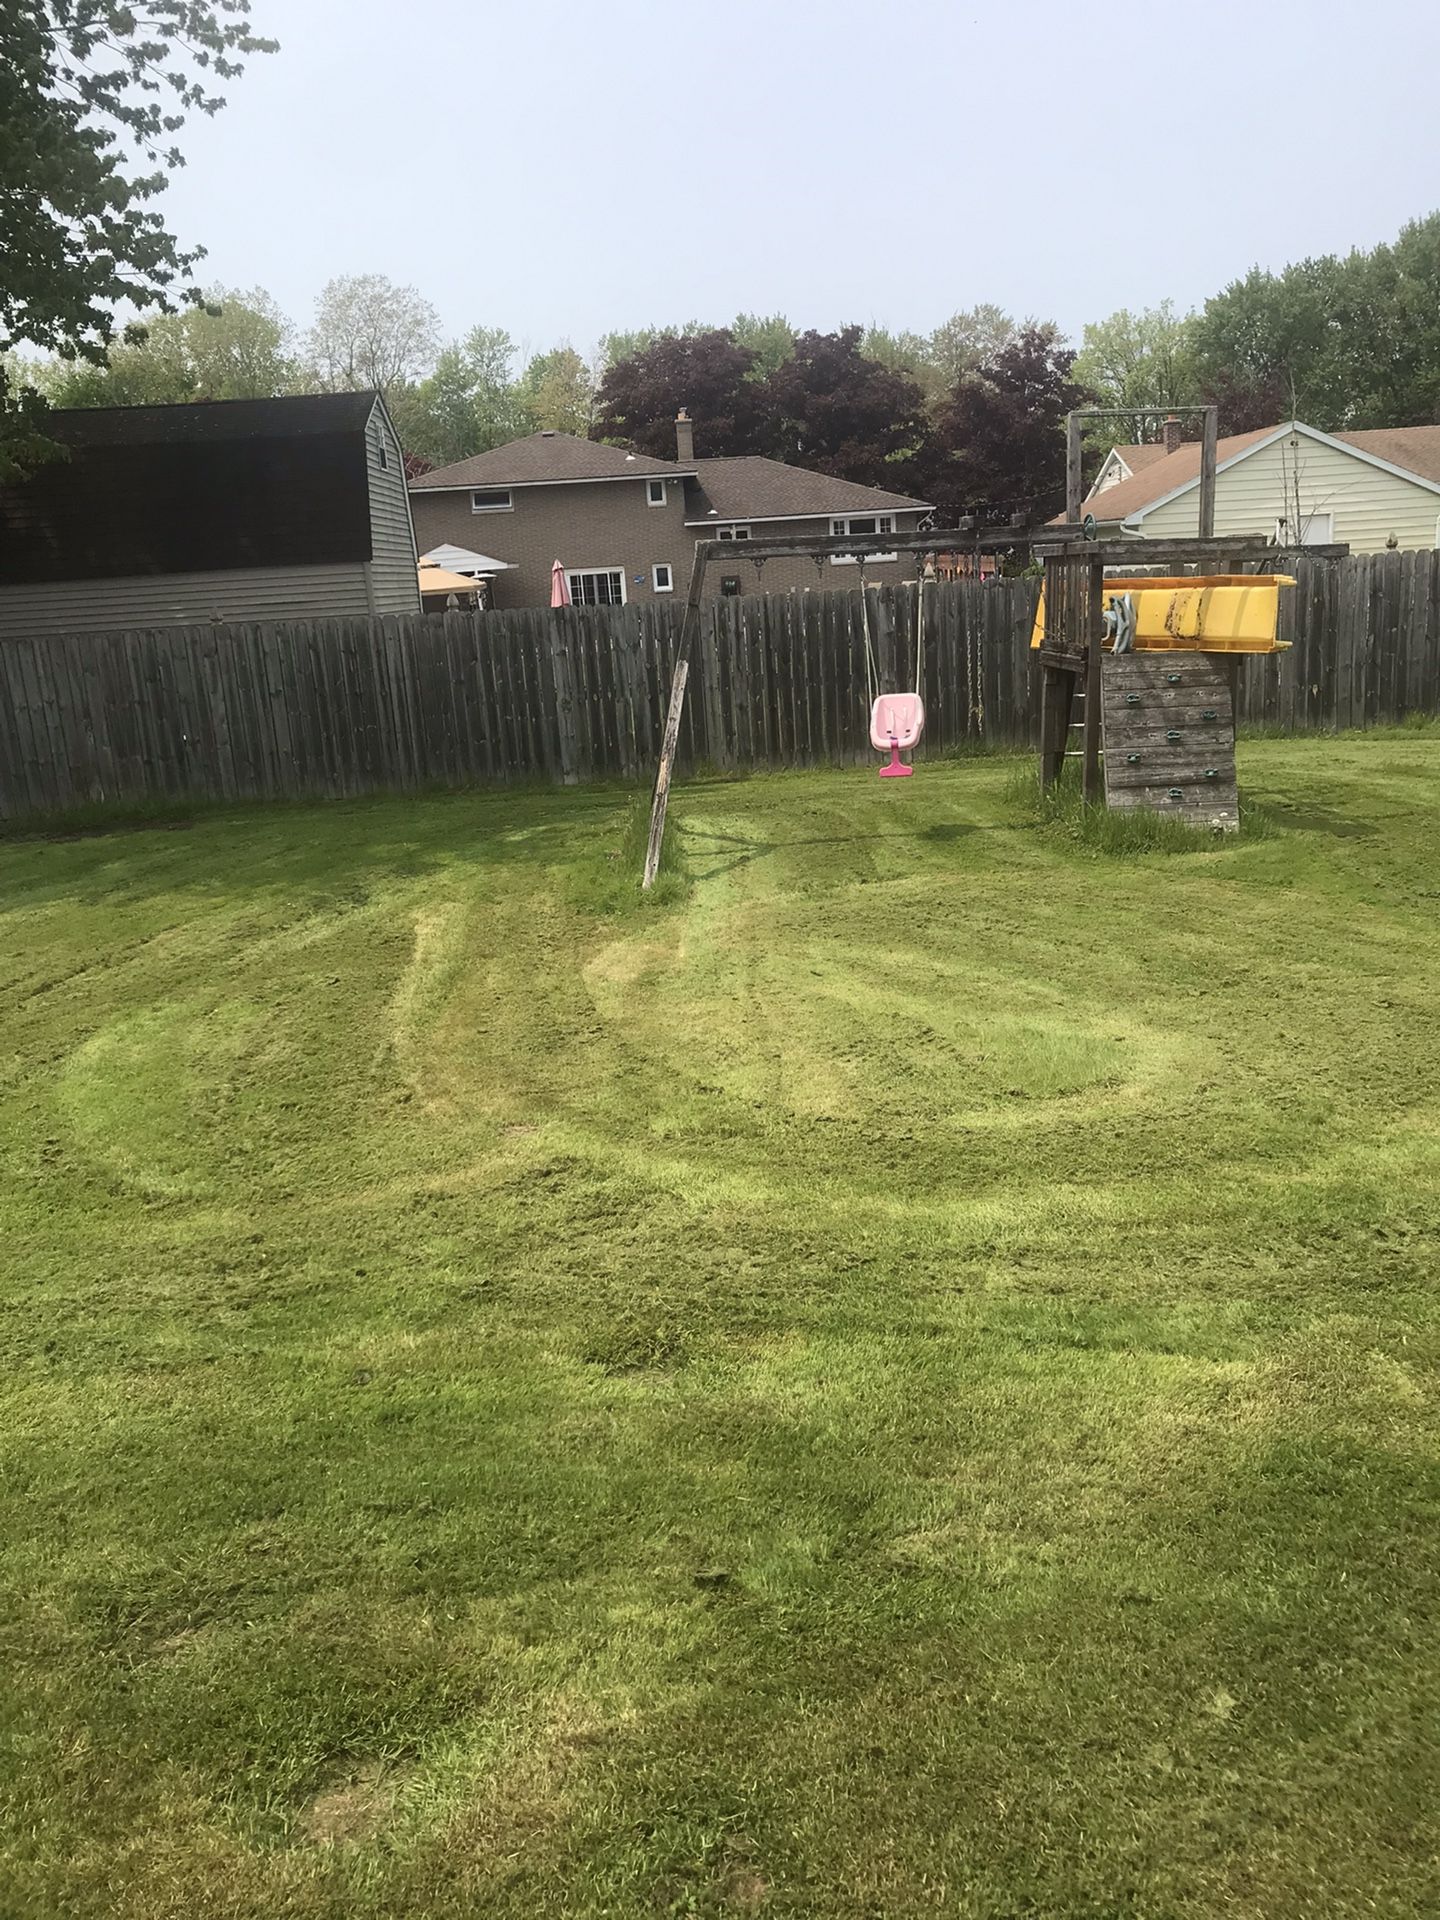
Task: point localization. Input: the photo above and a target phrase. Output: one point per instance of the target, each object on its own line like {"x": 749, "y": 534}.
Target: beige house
{"x": 1290, "y": 483}
{"x": 625, "y": 525}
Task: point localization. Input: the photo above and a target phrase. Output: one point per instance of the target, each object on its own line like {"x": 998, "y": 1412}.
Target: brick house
{"x": 625, "y": 525}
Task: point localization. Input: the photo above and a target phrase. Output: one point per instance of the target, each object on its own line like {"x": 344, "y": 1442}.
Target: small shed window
{"x": 1315, "y": 530}
{"x": 663, "y": 578}
{"x": 496, "y": 500}
{"x": 733, "y": 532}
{"x": 655, "y": 493}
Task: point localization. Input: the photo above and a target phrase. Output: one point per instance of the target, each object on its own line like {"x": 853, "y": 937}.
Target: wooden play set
{"x": 1143, "y": 668}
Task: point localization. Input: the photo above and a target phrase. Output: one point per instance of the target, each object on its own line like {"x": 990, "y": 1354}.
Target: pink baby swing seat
{"x": 897, "y": 721}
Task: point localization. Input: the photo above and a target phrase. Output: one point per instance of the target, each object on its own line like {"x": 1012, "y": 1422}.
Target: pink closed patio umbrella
{"x": 559, "y": 586}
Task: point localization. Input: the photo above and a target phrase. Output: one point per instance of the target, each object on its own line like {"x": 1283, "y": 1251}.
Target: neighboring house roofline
{"x": 577, "y": 480}
{"x": 1133, "y": 519}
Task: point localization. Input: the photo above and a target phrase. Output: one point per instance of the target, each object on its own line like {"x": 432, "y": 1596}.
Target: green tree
{"x": 92, "y": 95}
{"x": 770, "y": 338}
{"x": 615, "y": 347}
{"x": 1144, "y": 359}
{"x": 370, "y": 333}
{"x": 467, "y": 404}
{"x": 557, "y": 390}
{"x": 907, "y": 353}
{"x": 238, "y": 346}
{"x": 970, "y": 339}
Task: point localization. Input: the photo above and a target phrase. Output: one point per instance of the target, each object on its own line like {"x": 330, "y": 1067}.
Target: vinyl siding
{"x": 394, "y": 584}
{"x": 1368, "y": 503}
{"x": 183, "y": 599}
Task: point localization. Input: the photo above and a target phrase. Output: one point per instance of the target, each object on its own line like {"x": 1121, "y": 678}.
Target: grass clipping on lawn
{"x": 898, "y": 1376}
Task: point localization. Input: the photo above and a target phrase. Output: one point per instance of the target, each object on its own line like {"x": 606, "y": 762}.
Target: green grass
{"x": 897, "y": 1378}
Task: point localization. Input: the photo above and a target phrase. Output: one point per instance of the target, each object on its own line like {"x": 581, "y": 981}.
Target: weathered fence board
{"x": 344, "y": 706}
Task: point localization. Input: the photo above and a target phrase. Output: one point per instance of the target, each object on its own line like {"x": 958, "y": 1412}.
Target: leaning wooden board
{"x": 1168, "y": 726}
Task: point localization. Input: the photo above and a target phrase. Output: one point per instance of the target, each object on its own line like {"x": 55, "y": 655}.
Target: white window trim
{"x": 839, "y": 527}
{"x": 650, "y": 499}
{"x": 733, "y": 530}
{"x": 571, "y": 573}
{"x": 509, "y": 506}
{"x": 669, "y": 572}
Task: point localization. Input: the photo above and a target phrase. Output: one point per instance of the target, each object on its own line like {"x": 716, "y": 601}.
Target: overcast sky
{"x": 562, "y": 168}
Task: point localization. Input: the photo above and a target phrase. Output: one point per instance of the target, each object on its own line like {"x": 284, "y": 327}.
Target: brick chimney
{"x": 684, "y": 439}
{"x": 1173, "y": 434}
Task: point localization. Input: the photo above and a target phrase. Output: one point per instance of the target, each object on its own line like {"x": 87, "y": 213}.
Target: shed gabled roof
{"x": 750, "y": 487}
{"x": 545, "y": 459}
{"x": 209, "y": 422}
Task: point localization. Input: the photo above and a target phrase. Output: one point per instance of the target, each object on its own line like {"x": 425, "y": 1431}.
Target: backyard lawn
{"x": 899, "y": 1377}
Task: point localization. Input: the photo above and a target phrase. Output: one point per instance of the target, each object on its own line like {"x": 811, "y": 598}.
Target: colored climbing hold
{"x": 1132, "y": 699}
{"x": 1173, "y": 679}
{"x": 1132, "y": 759}
{"x": 1209, "y": 714}
{"x": 1177, "y": 793}
{"x": 1172, "y": 736}
{"x": 1212, "y": 773}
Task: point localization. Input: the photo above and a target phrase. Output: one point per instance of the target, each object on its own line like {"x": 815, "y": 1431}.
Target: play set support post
{"x": 1209, "y": 445}
{"x": 1091, "y": 786}
{"x": 1073, "y": 495}
{"x": 660, "y": 799}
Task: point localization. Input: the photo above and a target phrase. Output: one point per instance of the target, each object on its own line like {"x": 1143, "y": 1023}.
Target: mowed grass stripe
{"x": 897, "y": 1377}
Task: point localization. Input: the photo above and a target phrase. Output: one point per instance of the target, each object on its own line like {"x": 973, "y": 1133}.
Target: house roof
{"x": 202, "y": 422}
{"x": 1414, "y": 450}
{"x": 1157, "y": 478}
{"x": 545, "y": 459}
{"x": 750, "y": 487}
{"x": 1143, "y": 455}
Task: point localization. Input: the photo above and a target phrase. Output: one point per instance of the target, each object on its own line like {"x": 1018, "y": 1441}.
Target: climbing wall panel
{"x": 1169, "y": 736}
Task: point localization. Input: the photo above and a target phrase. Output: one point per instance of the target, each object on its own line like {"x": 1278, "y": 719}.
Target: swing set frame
{"x": 1075, "y": 566}
{"x": 817, "y": 547}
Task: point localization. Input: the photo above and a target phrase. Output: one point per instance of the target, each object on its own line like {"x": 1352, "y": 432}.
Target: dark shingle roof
{"x": 200, "y": 422}
{"x": 543, "y": 459}
{"x": 753, "y": 488}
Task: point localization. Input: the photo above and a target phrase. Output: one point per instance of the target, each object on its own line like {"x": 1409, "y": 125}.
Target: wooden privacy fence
{"x": 351, "y": 706}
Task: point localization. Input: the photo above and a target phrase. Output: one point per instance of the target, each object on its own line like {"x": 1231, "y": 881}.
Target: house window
{"x": 655, "y": 493}
{"x": 598, "y": 587}
{"x": 735, "y": 531}
{"x": 861, "y": 523}
{"x": 1316, "y": 530}
{"x": 381, "y": 453}
{"x": 661, "y": 576}
{"x": 496, "y": 500}
{"x": 730, "y": 585}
